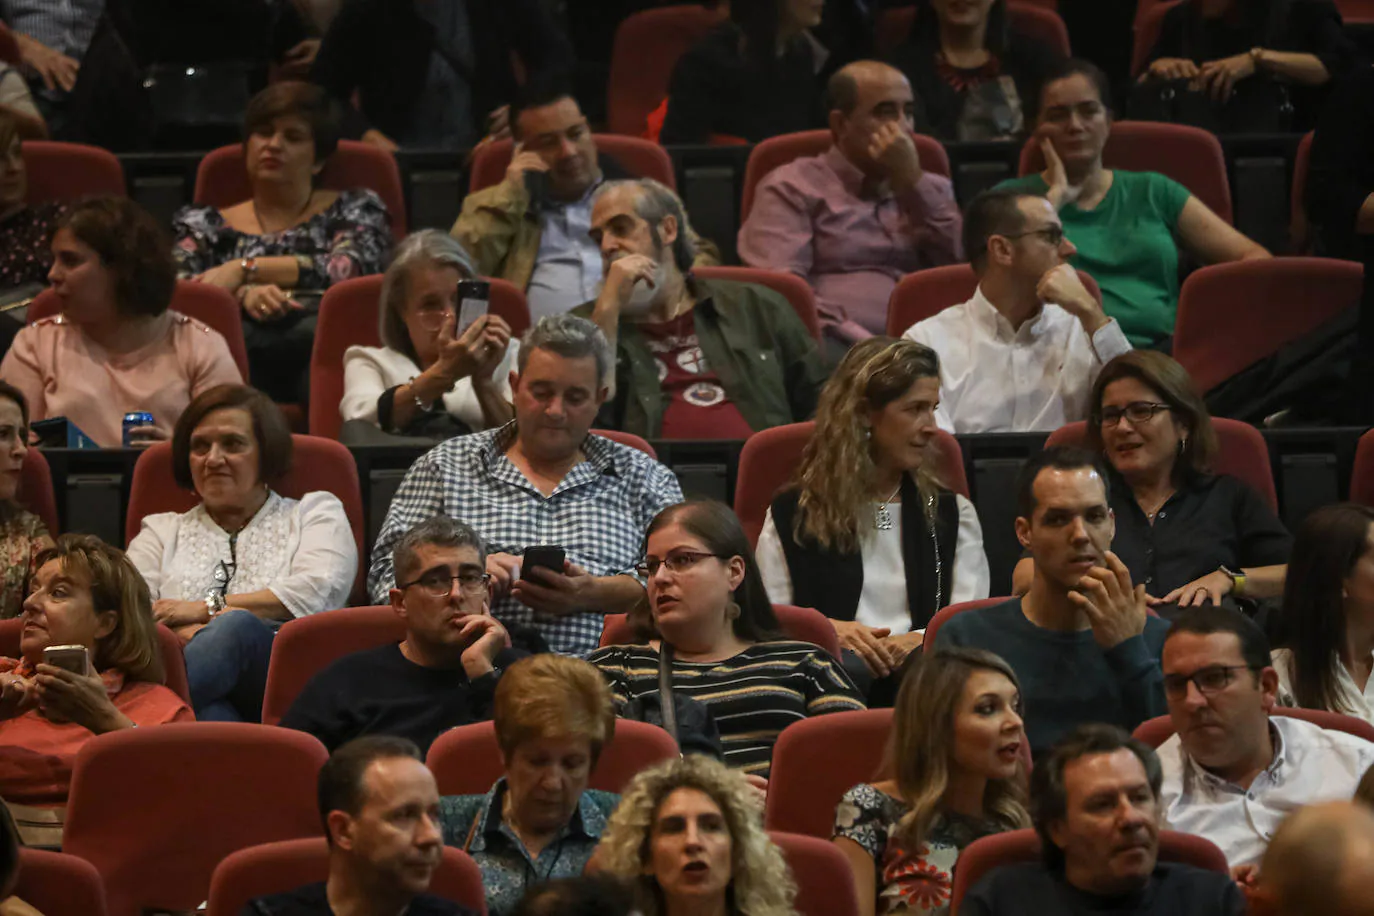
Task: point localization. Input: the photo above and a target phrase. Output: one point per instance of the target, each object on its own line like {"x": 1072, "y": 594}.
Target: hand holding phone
{"x": 75, "y": 659}
{"x": 550, "y": 558}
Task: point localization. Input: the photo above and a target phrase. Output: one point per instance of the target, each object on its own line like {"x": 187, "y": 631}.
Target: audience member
{"x": 86, "y": 594}
{"x": 380, "y": 809}
{"x": 589, "y": 895}
{"x": 695, "y": 358}
{"x": 952, "y": 773}
{"x": 23, "y": 536}
{"x": 1189, "y": 534}
{"x": 866, "y": 533}
{"x": 429, "y": 377}
{"x": 539, "y": 821}
{"x": 501, "y": 482}
{"x": 289, "y": 236}
{"x": 1127, "y": 227}
{"x": 688, "y": 835}
{"x": 854, "y": 219}
{"x": 1080, "y": 641}
{"x": 17, "y": 105}
{"x": 436, "y": 75}
{"x": 711, "y": 623}
{"x": 443, "y": 673}
{"x": 753, "y": 77}
{"x": 1326, "y": 626}
{"x": 25, "y": 229}
{"x": 1232, "y": 771}
{"x": 117, "y": 346}
{"x": 975, "y": 75}
{"x": 226, "y": 574}
{"x": 52, "y": 42}
{"x": 1096, "y": 805}
{"x": 1250, "y": 65}
{"x": 1321, "y": 860}
{"x": 1021, "y": 355}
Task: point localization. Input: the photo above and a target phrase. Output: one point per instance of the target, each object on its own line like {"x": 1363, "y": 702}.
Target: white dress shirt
{"x": 1311, "y": 764}
{"x": 1354, "y": 701}
{"x": 369, "y": 371}
{"x": 883, "y": 600}
{"x": 995, "y": 379}
{"x": 567, "y": 268}
{"x": 302, "y": 551}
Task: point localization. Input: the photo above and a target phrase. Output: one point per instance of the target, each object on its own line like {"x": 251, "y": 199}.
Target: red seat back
{"x": 926, "y": 293}
{"x": 943, "y": 615}
{"x": 1299, "y": 228}
{"x": 156, "y": 809}
{"x": 1243, "y": 453}
{"x": 647, "y": 47}
{"x": 55, "y": 882}
{"x": 36, "y": 493}
{"x": 1230, "y": 316}
{"x": 1356, "y": 12}
{"x": 1362, "y": 478}
{"x": 770, "y": 457}
{"x": 637, "y": 157}
{"x": 1017, "y": 846}
{"x": 467, "y": 760}
{"x": 1189, "y": 155}
{"x": 1035, "y": 19}
{"x": 792, "y": 287}
{"x": 816, "y": 761}
{"x": 222, "y": 180}
{"x": 319, "y": 464}
{"x": 775, "y": 152}
{"x": 350, "y": 314}
{"x": 627, "y": 439}
{"x": 68, "y": 171}
{"x": 209, "y": 304}
{"x": 173, "y": 663}
{"x": 800, "y": 623}
{"x": 825, "y": 882}
{"x": 1156, "y": 731}
{"x": 273, "y": 868}
{"x": 307, "y": 645}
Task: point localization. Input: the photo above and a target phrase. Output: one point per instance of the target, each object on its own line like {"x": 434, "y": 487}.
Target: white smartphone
{"x": 69, "y": 658}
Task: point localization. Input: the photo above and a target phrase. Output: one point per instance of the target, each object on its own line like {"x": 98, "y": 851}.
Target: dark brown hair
{"x": 307, "y": 101}
{"x": 132, "y": 246}
{"x": 275, "y": 446}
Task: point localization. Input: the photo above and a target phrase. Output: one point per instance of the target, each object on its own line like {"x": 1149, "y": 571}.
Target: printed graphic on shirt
{"x": 704, "y": 394}
{"x": 695, "y": 403}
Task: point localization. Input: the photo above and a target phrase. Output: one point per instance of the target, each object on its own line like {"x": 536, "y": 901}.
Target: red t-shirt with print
{"x": 696, "y": 404}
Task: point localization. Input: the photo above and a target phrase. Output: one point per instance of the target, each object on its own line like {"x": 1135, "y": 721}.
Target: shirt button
{"x": 1149, "y": 579}
{"x": 1160, "y": 514}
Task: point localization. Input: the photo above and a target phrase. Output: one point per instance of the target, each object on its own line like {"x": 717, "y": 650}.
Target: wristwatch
{"x": 1256, "y": 57}
{"x": 249, "y": 266}
{"x": 1237, "y": 581}
{"x": 214, "y": 602}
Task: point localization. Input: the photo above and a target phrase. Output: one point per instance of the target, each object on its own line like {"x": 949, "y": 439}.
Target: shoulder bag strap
{"x": 665, "y": 689}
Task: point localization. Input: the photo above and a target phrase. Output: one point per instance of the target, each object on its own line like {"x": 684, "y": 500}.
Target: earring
{"x": 732, "y": 611}
{"x": 1182, "y": 444}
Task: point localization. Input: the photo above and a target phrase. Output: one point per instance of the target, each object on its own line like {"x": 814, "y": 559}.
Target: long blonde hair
{"x": 761, "y": 883}
{"x": 837, "y": 468}
{"x": 921, "y": 748}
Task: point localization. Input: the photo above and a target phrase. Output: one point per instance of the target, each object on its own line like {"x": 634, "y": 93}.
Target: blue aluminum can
{"x": 135, "y": 418}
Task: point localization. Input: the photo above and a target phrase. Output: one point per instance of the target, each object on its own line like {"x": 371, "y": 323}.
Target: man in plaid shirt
{"x": 542, "y": 480}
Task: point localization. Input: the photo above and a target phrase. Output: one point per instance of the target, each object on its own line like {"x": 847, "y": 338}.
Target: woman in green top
{"x": 1128, "y": 226}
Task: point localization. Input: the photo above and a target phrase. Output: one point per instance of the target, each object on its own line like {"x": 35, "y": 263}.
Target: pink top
{"x": 63, "y": 373}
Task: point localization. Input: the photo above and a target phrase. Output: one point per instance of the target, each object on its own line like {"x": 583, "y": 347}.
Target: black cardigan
{"x": 832, "y": 582}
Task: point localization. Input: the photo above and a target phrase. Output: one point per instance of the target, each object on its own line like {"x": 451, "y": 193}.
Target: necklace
{"x": 1151, "y": 513}
{"x": 882, "y": 519}
{"x": 299, "y": 213}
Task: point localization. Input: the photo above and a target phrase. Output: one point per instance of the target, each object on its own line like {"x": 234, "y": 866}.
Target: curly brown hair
{"x": 132, "y": 246}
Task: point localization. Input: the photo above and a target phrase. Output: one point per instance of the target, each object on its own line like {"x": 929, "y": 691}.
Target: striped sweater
{"x": 752, "y": 696}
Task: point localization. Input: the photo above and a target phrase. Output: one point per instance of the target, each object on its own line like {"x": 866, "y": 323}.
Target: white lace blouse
{"x": 302, "y": 551}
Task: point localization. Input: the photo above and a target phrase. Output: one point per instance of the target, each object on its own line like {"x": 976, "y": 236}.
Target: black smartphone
{"x": 474, "y": 297}
{"x": 537, "y": 186}
{"x": 550, "y": 558}
{"x": 50, "y": 433}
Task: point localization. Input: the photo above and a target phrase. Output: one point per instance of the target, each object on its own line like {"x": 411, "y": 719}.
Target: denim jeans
{"x": 226, "y": 665}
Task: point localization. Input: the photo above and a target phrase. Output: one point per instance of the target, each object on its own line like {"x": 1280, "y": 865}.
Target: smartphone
{"x": 537, "y": 187}
{"x": 474, "y": 296}
{"x": 69, "y": 658}
{"x": 547, "y": 557}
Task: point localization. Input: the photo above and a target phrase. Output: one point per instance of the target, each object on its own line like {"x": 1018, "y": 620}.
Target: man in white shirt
{"x": 1232, "y": 773}
{"x": 1022, "y": 354}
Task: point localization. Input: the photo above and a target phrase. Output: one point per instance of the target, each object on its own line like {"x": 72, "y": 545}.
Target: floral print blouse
{"x": 351, "y": 238}
{"x": 909, "y": 882}
{"x": 23, "y": 536}
{"x": 25, "y": 256}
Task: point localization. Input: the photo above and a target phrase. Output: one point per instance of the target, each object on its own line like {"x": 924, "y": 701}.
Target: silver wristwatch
{"x": 214, "y": 602}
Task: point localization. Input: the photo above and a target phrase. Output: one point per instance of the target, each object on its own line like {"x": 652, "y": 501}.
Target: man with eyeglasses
{"x": 1233, "y": 772}
{"x": 1022, "y": 354}
{"x": 443, "y": 673}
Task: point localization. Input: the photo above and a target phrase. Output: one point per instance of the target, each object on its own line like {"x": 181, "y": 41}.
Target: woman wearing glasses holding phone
{"x": 229, "y": 572}
{"x": 1189, "y": 534}
{"x": 709, "y": 613}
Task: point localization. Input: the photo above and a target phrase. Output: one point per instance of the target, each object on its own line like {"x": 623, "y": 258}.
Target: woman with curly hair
{"x": 954, "y": 772}
{"x": 867, "y": 533}
{"x": 688, "y": 834}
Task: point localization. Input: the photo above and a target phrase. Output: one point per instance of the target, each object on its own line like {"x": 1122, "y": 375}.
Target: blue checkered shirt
{"x": 598, "y": 514}
{"x": 63, "y": 25}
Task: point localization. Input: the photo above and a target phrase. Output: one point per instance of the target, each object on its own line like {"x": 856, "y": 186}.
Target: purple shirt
{"x": 813, "y": 217}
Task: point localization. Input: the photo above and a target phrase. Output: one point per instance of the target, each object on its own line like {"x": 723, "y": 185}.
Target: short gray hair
{"x": 570, "y": 337}
{"x": 655, "y": 201}
{"x": 425, "y": 248}
{"x": 439, "y": 531}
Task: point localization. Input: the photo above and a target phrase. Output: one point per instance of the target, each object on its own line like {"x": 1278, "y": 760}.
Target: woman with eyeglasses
{"x": 226, "y": 574}
{"x": 710, "y": 620}
{"x": 1189, "y": 534}
{"x": 1128, "y": 227}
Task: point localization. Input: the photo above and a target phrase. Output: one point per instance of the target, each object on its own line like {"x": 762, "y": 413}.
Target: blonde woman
{"x": 688, "y": 834}
{"x": 955, "y": 773}
{"x": 866, "y": 533}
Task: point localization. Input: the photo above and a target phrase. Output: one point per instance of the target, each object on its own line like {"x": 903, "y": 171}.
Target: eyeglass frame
{"x": 1179, "y": 692}
{"x": 693, "y": 557}
{"x": 1155, "y": 408}
{"x": 1052, "y": 229}
{"x": 483, "y": 579}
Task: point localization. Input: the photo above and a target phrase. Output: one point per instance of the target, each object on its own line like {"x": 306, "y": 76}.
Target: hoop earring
{"x": 732, "y": 611}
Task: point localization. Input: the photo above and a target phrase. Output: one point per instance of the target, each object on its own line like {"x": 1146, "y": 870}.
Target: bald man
{"x": 1321, "y": 860}
{"x": 853, "y": 220}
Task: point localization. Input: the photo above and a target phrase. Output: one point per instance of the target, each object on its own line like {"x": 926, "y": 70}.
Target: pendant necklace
{"x": 882, "y": 519}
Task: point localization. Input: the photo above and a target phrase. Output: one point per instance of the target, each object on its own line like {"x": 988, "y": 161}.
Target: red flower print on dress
{"x": 918, "y": 884}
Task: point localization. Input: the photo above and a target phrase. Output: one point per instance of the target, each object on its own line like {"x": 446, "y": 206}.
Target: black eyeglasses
{"x": 1136, "y": 412}
{"x": 1052, "y": 234}
{"x": 677, "y": 563}
{"x": 1210, "y": 680}
{"x": 224, "y": 573}
{"x": 438, "y": 583}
